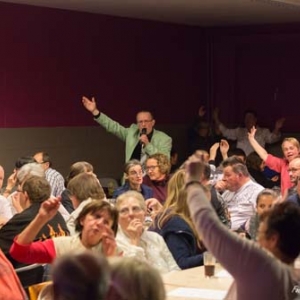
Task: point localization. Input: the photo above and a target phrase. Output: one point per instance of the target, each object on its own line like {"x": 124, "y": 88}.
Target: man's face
{"x": 231, "y": 179}
{"x": 145, "y": 120}
{"x": 39, "y": 159}
{"x": 294, "y": 170}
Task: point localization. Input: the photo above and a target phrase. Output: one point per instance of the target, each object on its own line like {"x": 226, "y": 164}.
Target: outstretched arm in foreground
{"x": 256, "y": 146}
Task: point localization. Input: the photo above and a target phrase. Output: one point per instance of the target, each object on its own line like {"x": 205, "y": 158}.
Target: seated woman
{"x": 133, "y": 175}
{"x": 175, "y": 225}
{"x": 260, "y": 271}
{"x": 75, "y": 169}
{"x": 135, "y": 280}
{"x": 96, "y": 226}
{"x": 134, "y": 241}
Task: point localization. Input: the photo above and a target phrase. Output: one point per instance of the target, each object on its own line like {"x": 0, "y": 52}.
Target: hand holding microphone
{"x": 143, "y": 136}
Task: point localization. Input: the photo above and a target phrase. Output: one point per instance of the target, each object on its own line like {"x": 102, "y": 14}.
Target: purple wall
{"x": 50, "y": 58}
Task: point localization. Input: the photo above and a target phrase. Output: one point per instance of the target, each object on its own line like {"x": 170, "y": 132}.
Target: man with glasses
{"x": 141, "y": 139}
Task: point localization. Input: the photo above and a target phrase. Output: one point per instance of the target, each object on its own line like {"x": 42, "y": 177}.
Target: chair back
{"x": 30, "y": 275}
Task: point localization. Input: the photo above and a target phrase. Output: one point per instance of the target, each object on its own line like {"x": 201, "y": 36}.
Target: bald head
{"x": 294, "y": 169}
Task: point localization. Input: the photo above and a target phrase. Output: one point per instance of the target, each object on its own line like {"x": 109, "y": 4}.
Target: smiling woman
{"x": 96, "y": 227}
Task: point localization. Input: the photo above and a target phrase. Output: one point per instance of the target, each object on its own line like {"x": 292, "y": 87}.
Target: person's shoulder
{"x": 159, "y": 133}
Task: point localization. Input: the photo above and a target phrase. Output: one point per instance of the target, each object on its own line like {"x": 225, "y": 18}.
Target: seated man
{"x": 55, "y": 179}
{"x": 32, "y": 193}
{"x": 241, "y": 192}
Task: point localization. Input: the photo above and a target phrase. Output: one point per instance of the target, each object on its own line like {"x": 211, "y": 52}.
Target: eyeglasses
{"x": 144, "y": 121}
{"x": 150, "y": 168}
{"x": 136, "y": 174}
{"x": 125, "y": 211}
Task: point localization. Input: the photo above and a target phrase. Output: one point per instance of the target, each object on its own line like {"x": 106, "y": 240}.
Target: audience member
{"x": 240, "y": 134}
{"x": 55, "y": 179}
{"x": 75, "y": 169}
{"x": 33, "y": 192}
{"x": 216, "y": 198}
{"x": 10, "y": 285}
{"x": 158, "y": 169}
{"x": 96, "y": 225}
{"x": 141, "y": 139}
{"x": 200, "y": 134}
{"x": 294, "y": 173}
{"x": 255, "y": 166}
{"x": 83, "y": 189}
{"x": 133, "y": 175}
{"x": 256, "y": 273}
{"x": 78, "y": 276}
{"x": 174, "y": 224}
{"x": 12, "y": 179}
{"x": 5, "y": 210}
{"x": 265, "y": 200}
{"x": 290, "y": 148}
{"x": 137, "y": 242}
{"x": 241, "y": 192}
{"x": 135, "y": 280}
{"x": 295, "y": 196}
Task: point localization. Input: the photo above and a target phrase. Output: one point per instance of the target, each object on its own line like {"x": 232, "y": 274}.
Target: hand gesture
{"x": 15, "y": 200}
{"x": 251, "y": 134}
{"x": 134, "y": 231}
{"x": 109, "y": 245}
{"x": 144, "y": 139}
{"x": 11, "y": 180}
{"x": 224, "y": 147}
{"x": 90, "y": 105}
{"x": 201, "y": 111}
{"x": 153, "y": 207}
{"x": 279, "y": 123}
{"x": 194, "y": 167}
{"x": 213, "y": 151}
{"x": 49, "y": 208}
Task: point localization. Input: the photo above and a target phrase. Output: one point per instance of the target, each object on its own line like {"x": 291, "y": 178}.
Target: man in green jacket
{"x": 141, "y": 139}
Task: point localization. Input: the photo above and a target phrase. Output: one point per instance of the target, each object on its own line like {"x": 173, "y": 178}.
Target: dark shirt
{"x": 160, "y": 188}
{"x": 146, "y": 191}
{"x": 55, "y": 227}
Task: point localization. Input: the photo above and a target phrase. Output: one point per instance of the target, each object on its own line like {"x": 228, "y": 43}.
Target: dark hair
{"x": 46, "y": 158}
{"x": 253, "y": 161}
{"x": 80, "y": 276}
{"x": 237, "y": 152}
{"x": 284, "y": 219}
{"x": 23, "y": 160}
{"x": 250, "y": 111}
{"x": 37, "y": 188}
{"x": 93, "y": 207}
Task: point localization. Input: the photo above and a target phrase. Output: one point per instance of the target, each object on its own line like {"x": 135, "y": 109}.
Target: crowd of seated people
{"x": 67, "y": 227}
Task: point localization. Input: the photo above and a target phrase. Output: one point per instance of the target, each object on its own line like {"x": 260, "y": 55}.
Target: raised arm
{"x": 90, "y": 105}
{"x": 256, "y": 146}
{"x": 46, "y": 212}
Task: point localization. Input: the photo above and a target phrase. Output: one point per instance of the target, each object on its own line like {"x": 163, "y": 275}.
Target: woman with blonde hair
{"x": 135, "y": 280}
{"x": 175, "y": 225}
{"x": 290, "y": 148}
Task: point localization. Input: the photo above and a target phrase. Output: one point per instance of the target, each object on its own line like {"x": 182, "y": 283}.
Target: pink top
{"x": 36, "y": 252}
{"x": 280, "y": 165}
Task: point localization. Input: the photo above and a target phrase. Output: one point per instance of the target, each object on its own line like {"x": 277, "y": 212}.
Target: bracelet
{"x": 192, "y": 182}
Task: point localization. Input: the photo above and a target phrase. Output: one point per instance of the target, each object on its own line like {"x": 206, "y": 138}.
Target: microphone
{"x": 143, "y": 131}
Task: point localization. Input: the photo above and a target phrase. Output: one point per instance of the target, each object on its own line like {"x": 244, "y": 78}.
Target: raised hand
{"x": 201, "y": 111}
{"x": 224, "y": 148}
{"x": 109, "y": 245}
{"x": 49, "y": 208}
{"x": 90, "y": 105}
{"x": 134, "y": 231}
{"x": 279, "y": 123}
{"x": 251, "y": 134}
